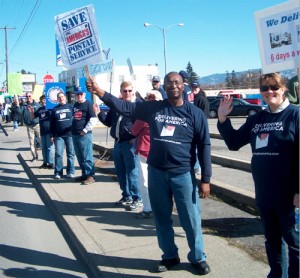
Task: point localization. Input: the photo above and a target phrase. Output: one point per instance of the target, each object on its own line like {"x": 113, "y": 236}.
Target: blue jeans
{"x": 15, "y": 124}
{"x": 60, "y": 143}
{"x": 126, "y": 168}
{"x": 47, "y": 149}
{"x": 162, "y": 187}
{"x": 83, "y": 146}
{"x": 280, "y": 225}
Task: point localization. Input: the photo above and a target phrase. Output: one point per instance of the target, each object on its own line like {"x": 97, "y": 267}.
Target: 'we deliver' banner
{"x": 278, "y": 32}
{"x": 78, "y": 38}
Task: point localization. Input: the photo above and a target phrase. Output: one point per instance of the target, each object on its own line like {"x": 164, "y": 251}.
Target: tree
{"x": 228, "y": 80}
{"x": 193, "y": 76}
{"x": 234, "y": 80}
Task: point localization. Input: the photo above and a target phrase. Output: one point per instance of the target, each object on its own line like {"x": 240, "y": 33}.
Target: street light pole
{"x": 164, "y": 31}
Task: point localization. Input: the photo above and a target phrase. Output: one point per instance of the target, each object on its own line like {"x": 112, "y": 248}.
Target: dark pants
{"x": 281, "y": 225}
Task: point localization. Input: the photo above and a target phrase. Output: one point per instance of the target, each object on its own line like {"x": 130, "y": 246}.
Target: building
{"x": 140, "y": 78}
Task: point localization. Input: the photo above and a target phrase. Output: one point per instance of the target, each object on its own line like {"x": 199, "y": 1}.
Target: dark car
{"x": 240, "y": 108}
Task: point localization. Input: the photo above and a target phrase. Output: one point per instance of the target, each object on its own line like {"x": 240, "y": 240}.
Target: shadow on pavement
{"x": 33, "y": 257}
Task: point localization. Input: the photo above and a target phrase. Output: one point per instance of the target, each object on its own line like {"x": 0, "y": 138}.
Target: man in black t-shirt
{"x": 84, "y": 119}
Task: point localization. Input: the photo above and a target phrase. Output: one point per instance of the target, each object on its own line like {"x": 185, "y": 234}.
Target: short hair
{"x": 272, "y": 78}
{"x": 42, "y": 97}
{"x": 125, "y": 84}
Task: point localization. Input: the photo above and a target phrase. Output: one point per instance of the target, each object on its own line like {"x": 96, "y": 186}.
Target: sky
{"x": 217, "y": 35}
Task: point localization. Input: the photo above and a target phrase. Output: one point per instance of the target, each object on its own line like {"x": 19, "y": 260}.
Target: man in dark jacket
{"x": 124, "y": 158}
{"x": 200, "y": 99}
{"x": 32, "y": 124}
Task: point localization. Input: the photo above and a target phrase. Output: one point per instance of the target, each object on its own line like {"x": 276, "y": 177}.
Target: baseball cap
{"x": 184, "y": 74}
{"x": 195, "y": 84}
{"x": 156, "y": 78}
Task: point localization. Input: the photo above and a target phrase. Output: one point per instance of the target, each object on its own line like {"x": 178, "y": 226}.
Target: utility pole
{"x": 6, "y": 53}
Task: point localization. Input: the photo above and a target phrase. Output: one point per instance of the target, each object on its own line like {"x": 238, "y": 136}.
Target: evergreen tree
{"x": 234, "y": 80}
{"x": 228, "y": 80}
{"x": 193, "y": 76}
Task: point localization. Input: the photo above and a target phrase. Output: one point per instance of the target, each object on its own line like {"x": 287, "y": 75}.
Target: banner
{"x": 58, "y": 55}
{"x": 15, "y": 84}
{"x": 279, "y": 36}
{"x": 51, "y": 91}
{"x": 103, "y": 67}
{"x": 78, "y": 38}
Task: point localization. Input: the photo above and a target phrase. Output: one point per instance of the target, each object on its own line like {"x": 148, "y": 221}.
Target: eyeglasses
{"x": 79, "y": 94}
{"x": 28, "y": 96}
{"x": 126, "y": 91}
{"x": 268, "y": 88}
{"x": 173, "y": 83}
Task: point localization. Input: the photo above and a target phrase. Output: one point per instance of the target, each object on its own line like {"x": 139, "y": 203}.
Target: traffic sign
{"x": 48, "y": 78}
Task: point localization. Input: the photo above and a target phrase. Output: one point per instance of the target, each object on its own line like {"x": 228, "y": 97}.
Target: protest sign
{"x": 278, "y": 35}
{"x": 78, "y": 37}
{"x": 103, "y": 67}
{"x": 51, "y": 91}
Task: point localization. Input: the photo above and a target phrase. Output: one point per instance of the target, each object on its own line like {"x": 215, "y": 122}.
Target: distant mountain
{"x": 220, "y": 77}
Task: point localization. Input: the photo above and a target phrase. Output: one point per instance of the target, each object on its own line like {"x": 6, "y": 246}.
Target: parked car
{"x": 104, "y": 107}
{"x": 240, "y": 108}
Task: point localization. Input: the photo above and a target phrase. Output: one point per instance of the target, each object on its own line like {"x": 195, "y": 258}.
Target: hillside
{"x": 218, "y": 78}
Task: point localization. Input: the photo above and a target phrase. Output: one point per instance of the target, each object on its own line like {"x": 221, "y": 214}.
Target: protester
{"x": 200, "y": 99}
{"x": 141, "y": 130}
{"x": 177, "y": 128}
{"x": 15, "y": 113}
{"x": 84, "y": 120}
{"x": 61, "y": 134}
{"x": 32, "y": 125}
{"x": 43, "y": 114}
{"x": 2, "y": 117}
{"x": 124, "y": 159}
{"x": 293, "y": 92}
{"x": 274, "y": 137}
{"x": 187, "y": 94}
{"x": 156, "y": 85}
{"x": 7, "y": 105}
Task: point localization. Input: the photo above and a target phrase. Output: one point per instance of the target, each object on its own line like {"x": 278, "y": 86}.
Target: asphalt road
{"x": 31, "y": 245}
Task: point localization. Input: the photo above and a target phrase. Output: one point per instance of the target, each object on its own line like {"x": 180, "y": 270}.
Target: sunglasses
{"x": 126, "y": 91}
{"x": 268, "y": 88}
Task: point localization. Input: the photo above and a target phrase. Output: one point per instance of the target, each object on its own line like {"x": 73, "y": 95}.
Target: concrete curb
{"x": 57, "y": 208}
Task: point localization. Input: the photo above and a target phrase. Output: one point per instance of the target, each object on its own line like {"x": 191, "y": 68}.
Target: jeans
{"x": 83, "y": 146}
{"x": 47, "y": 149}
{"x": 60, "y": 143}
{"x": 280, "y": 225}
{"x": 15, "y": 125}
{"x": 126, "y": 169}
{"x": 162, "y": 187}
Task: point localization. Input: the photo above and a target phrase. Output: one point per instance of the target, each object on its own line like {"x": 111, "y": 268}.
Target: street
{"x": 31, "y": 243}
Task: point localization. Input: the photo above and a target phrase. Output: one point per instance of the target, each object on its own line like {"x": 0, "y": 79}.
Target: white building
{"x": 141, "y": 78}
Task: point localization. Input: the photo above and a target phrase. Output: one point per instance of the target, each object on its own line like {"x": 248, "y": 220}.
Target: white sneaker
{"x": 70, "y": 176}
{"x": 57, "y": 177}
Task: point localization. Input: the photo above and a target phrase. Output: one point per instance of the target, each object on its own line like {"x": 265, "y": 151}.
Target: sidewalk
{"x": 113, "y": 243}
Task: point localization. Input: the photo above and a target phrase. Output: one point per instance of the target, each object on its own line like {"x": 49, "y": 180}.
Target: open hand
{"x": 225, "y": 108}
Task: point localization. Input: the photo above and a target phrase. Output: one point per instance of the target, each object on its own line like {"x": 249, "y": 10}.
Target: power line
{"x": 31, "y": 16}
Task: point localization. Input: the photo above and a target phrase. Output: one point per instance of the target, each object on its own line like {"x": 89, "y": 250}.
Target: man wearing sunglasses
{"x": 124, "y": 158}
